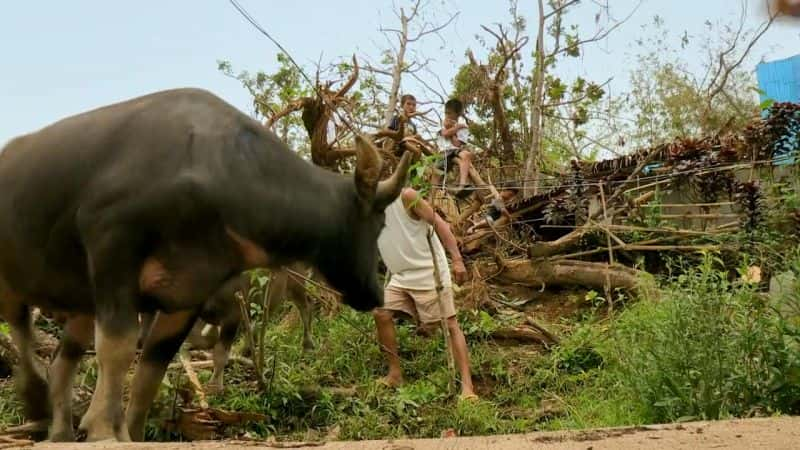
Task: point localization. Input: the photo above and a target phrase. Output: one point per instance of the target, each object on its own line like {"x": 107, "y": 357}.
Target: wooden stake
{"x": 610, "y": 249}
{"x": 192, "y": 375}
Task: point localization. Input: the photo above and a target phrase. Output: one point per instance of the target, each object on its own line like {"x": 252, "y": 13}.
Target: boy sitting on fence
{"x": 451, "y": 141}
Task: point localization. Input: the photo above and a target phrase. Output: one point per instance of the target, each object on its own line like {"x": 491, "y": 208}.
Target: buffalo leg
{"x": 280, "y": 287}
{"x": 163, "y": 341}
{"x": 222, "y": 351}
{"x": 114, "y": 269}
{"x": 303, "y": 303}
{"x": 31, "y": 383}
{"x": 77, "y": 338}
{"x": 115, "y": 352}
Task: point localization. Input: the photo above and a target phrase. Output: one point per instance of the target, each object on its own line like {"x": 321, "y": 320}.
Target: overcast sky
{"x": 62, "y": 58}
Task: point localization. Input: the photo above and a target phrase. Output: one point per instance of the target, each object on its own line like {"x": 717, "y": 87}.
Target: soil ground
{"x": 768, "y": 433}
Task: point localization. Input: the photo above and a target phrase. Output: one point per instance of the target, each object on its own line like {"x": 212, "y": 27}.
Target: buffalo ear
{"x": 389, "y": 189}
{"x": 368, "y": 169}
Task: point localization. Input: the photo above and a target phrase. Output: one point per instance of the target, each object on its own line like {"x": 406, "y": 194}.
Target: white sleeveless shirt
{"x": 403, "y": 245}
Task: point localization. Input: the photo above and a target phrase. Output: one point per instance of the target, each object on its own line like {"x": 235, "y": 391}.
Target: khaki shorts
{"x": 422, "y": 306}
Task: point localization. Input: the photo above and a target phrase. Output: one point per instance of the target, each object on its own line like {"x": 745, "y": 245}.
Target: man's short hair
{"x": 454, "y": 105}
{"x": 405, "y": 98}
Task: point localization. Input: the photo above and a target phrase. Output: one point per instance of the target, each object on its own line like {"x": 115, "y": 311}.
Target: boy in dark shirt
{"x": 409, "y": 105}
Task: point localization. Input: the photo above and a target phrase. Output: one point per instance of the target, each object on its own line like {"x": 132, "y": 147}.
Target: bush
{"x": 710, "y": 348}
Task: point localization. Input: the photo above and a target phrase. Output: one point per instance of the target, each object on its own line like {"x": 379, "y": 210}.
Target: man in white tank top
{"x": 411, "y": 291}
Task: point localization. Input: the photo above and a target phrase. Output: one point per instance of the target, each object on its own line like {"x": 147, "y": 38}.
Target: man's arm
{"x": 422, "y": 210}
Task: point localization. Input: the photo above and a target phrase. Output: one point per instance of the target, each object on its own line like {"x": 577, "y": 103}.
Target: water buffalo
{"x": 153, "y": 204}
{"x": 220, "y": 318}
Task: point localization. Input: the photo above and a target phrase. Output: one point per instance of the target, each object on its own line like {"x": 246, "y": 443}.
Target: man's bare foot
{"x": 468, "y": 397}
{"x": 391, "y": 381}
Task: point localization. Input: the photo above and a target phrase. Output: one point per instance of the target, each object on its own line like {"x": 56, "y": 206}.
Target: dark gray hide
{"x": 152, "y": 204}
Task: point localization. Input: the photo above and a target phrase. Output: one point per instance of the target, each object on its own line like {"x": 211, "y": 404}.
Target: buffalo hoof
{"x": 62, "y": 436}
{"x": 214, "y": 388}
{"x": 308, "y": 346}
{"x": 96, "y": 431}
{"x": 105, "y": 438}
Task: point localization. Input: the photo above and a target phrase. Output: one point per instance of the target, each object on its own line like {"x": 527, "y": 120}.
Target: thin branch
{"x": 442, "y": 96}
{"x": 729, "y": 69}
{"x": 373, "y": 69}
{"x": 290, "y": 108}
{"x": 600, "y": 35}
{"x": 560, "y": 9}
{"x": 422, "y": 33}
{"x": 350, "y": 82}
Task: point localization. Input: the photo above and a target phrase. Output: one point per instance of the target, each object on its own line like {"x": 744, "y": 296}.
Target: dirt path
{"x": 774, "y": 433}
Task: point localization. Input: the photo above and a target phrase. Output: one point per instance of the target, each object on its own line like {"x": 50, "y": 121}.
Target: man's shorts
{"x": 422, "y": 306}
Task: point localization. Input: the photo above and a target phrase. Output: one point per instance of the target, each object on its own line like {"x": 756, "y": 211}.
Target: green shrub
{"x": 709, "y": 348}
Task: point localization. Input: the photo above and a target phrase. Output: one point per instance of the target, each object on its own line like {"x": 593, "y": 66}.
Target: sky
{"x": 63, "y": 58}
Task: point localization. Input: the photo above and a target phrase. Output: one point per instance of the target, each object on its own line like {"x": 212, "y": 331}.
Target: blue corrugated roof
{"x": 780, "y": 80}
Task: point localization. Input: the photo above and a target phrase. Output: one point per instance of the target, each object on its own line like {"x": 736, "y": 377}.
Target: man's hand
{"x": 459, "y": 271}
{"x": 410, "y": 143}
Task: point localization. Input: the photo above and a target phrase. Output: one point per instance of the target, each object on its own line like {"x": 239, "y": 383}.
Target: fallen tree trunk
{"x": 541, "y": 273}
{"x": 522, "y": 334}
{"x": 560, "y": 245}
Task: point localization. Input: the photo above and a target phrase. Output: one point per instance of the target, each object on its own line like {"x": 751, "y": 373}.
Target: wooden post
{"x": 610, "y": 249}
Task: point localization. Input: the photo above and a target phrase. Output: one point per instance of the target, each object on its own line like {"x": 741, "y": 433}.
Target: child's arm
{"x": 450, "y": 128}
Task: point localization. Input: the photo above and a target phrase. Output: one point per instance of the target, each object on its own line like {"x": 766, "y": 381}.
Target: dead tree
{"x": 491, "y": 81}
{"x": 551, "y": 23}
{"x": 403, "y": 38}
{"x": 730, "y": 58}
{"x": 317, "y": 113}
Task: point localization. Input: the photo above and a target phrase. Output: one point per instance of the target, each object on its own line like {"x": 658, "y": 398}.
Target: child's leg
{"x": 436, "y": 183}
{"x": 464, "y": 163}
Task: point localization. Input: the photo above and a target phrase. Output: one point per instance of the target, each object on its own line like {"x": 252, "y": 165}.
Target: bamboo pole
{"x": 649, "y": 185}
{"x": 678, "y": 205}
{"x": 697, "y": 216}
{"x": 603, "y": 249}
{"x": 659, "y": 230}
{"x": 644, "y": 229}
{"x": 659, "y": 248}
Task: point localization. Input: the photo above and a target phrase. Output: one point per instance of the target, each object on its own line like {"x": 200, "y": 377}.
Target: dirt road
{"x": 774, "y": 433}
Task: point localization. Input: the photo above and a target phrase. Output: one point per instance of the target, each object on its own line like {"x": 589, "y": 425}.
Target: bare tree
{"x": 491, "y": 81}
{"x": 414, "y": 26}
{"x": 731, "y": 57}
{"x": 317, "y": 112}
{"x": 550, "y": 23}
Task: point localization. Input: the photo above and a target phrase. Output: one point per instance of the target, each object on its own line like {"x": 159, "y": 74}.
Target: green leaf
{"x": 766, "y": 104}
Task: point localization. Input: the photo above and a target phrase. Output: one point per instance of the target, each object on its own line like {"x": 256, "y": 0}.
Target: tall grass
{"x": 708, "y": 348}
